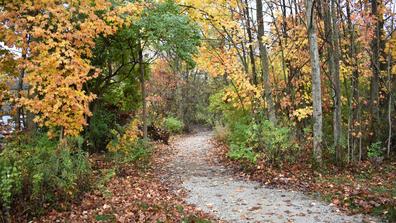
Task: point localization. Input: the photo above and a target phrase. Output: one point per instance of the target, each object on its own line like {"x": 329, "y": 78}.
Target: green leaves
{"x": 168, "y": 31}
{"x": 46, "y": 172}
{"x": 10, "y": 183}
{"x": 173, "y": 125}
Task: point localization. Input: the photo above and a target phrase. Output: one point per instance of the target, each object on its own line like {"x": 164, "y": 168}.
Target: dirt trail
{"x": 213, "y": 189}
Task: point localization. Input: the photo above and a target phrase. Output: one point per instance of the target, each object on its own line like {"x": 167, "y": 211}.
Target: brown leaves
{"x": 356, "y": 189}
{"x": 136, "y": 197}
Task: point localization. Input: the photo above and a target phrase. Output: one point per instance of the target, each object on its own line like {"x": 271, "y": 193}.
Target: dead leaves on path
{"x": 135, "y": 196}
{"x": 364, "y": 188}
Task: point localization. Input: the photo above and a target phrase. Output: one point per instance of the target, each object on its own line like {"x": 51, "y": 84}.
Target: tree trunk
{"x": 19, "y": 89}
{"x": 337, "y": 119}
{"x": 316, "y": 82}
{"x": 332, "y": 36}
{"x": 143, "y": 89}
{"x": 376, "y": 70}
{"x": 389, "y": 104}
{"x": 19, "y": 111}
{"x": 354, "y": 104}
{"x": 251, "y": 52}
{"x": 265, "y": 63}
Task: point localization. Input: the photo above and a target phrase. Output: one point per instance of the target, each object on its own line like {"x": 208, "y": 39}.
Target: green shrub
{"x": 40, "y": 171}
{"x": 10, "y": 183}
{"x": 239, "y": 139}
{"x": 173, "y": 125}
{"x": 225, "y": 113}
{"x": 235, "y": 130}
{"x": 139, "y": 153}
{"x": 242, "y": 153}
{"x": 217, "y": 107}
{"x": 374, "y": 151}
{"x": 240, "y": 133}
{"x": 276, "y": 143}
{"x": 98, "y": 133}
{"x": 127, "y": 147}
{"x": 251, "y": 135}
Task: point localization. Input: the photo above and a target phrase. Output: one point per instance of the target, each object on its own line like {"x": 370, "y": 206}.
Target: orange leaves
{"x": 58, "y": 38}
{"x": 162, "y": 86}
{"x": 391, "y": 49}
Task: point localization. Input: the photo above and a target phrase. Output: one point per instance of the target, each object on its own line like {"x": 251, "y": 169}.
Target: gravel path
{"x": 213, "y": 189}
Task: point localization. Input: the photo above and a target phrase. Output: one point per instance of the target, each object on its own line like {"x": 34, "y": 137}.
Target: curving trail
{"x": 214, "y": 190}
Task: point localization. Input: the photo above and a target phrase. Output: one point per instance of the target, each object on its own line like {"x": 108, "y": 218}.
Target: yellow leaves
{"x": 131, "y": 12}
{"x": 58, "y": 64}
{"x": 303, "y": 113}
{"x": 30, "y": 18}
{"x": 125, "y": 143}
{"x": 3, "y": 88}
{"x": 391, "y": 48}
{"x": 391, "y": 45}
{"x": 345, "y": 70}
{"x": 212, "y": 15}
{"x": 266, "y": 40}
{"x": 217, "y": 22}
{"x": 224, "y": 62}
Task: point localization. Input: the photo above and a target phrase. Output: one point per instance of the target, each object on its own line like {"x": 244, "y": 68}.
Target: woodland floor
{"x": 184, "y": 183}
{"x": 215, "y": 190}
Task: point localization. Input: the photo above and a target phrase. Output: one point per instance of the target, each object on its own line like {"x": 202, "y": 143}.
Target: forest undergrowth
{"x": 362, "y": 188}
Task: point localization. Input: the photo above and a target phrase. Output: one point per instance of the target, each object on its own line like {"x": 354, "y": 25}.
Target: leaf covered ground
{"x": 192, "y": 168}
{"x": 363, "y": 188}
{"x": 127, "y": 193}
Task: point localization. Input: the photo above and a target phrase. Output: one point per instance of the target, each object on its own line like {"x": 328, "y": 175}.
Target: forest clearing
{"x": 197, "y": 111}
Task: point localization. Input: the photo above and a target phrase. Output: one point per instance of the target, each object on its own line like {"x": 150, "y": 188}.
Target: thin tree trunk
{"x": 265, "y": 63}
{"x": 179, "y": 90}
{"x": 349, "y": 124}
{"x": 354, "y": 105}
{"x": 376, "y": 70}
{"x": 282, "y": 51}
{"x": 316, "y": 82}
{"x": 62, "y": 134}
{"x": 143, "y": 89}
{"x": 332, "y": 36}
{"x": 19, "y": 89}
{"x": 337, "y": 84}
{"x": 19, "y": 111}
{"x": 389, "y": 104}
{"x": 250, "y": 37}
{"x": 390, "y": 89}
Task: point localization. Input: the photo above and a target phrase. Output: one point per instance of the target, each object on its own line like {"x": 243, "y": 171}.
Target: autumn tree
{"x": 54, "y": 53}
{"x": 316, "y": 81}
{"x": 265, "y": 63}
{"x": 332, "y": 41}
{"x": 163, "y": 29}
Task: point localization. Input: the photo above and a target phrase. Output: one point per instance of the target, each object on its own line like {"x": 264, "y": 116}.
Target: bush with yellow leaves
{"x": 129, "y": 147}
{"x": 126, "y": 143}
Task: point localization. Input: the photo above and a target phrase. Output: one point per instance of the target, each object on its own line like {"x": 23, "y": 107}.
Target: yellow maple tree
{"x": 55, "y": 39}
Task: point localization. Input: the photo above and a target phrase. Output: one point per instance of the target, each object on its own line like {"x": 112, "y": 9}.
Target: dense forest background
{"x": 280, "y": 82}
